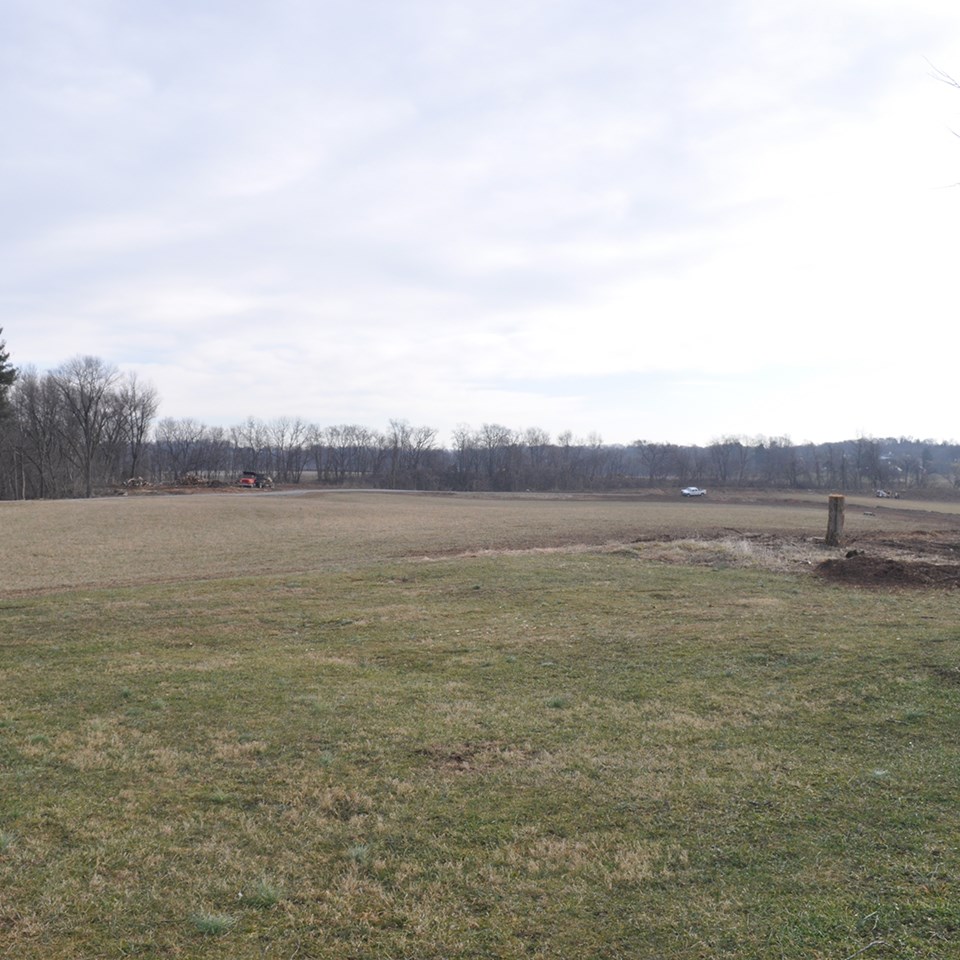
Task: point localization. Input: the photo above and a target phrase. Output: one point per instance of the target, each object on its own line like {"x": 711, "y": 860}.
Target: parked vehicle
{"x": 693, "y": 492}
{"x": 250, "y": 478}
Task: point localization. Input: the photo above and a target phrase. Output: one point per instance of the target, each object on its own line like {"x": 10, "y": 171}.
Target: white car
{"x": 693, "y": 492}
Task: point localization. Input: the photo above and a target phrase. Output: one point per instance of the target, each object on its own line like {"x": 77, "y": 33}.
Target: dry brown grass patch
{"x": 474, "y": 756}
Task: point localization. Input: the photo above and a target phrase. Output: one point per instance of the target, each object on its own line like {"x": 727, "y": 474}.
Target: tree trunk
{"x": 835, "y": 520}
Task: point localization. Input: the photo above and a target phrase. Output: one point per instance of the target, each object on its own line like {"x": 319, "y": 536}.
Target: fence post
{"x": 835, "y": 520}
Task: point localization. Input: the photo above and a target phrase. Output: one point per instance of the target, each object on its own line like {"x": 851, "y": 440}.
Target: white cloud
{"x": 546, "y": 213}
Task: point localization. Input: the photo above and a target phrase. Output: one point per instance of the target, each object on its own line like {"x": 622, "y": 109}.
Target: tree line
{"x": 86, "y": 427}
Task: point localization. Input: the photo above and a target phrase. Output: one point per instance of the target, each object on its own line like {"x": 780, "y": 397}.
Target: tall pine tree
{"x": 8, "y": 374}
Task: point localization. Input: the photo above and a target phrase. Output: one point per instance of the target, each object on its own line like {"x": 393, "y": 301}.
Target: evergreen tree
{"x": 8, "y": 374}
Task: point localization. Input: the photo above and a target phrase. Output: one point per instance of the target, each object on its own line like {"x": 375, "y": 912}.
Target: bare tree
{"x": 251, "y": 443}
{"x": 720, "y": 454}
{"x": 300, "y": 432}
{"x": 421, "y": 447}
{"x": 464, "y": 457}
{"x": 655, "y": 458}
{"x": 330, "y": 453}
{"x": 408, "y": 448}
{"x": 398, "y": 439}
{"x": 180, "y": 447}
{"x": 38, "y": 412}
{"x": 278, "y": 440}
{"x": 537, "y": 449}
{"x": 139, "y": 403}
{"x": 85, "y": 384}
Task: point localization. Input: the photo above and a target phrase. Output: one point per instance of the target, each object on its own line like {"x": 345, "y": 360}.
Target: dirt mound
{"x": 863, "y": 570}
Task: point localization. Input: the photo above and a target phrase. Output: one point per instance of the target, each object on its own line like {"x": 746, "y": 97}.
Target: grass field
{"x": 139, "y": 540}
{"x": 364, "y": 725}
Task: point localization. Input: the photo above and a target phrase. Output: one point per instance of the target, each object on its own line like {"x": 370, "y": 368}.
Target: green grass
{"x": 213, "y": 924}
{"x": 542, "y": 755}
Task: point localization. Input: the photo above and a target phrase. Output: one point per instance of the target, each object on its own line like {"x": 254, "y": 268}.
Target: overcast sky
{"x": 659, "y": 219}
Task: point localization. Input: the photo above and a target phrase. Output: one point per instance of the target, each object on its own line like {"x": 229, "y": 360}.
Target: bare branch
{"x": 943, "y": 76}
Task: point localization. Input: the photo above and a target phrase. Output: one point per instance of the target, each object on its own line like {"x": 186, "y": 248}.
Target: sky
{"x": 670, "y": 220}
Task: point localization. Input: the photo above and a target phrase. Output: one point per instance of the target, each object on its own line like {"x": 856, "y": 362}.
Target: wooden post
{"x": 835, "y": 520}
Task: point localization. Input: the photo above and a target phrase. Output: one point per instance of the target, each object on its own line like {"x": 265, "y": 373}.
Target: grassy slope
{"x": 547, "y": 755}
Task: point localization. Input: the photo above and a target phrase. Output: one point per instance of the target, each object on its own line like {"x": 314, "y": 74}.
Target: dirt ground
{"x": 918, "y": 558}
{"x": 921, "y": 558}
{"x": 866, "y": 571}
{"x": 149, "y": 536}
{"x": 865, "y": 568}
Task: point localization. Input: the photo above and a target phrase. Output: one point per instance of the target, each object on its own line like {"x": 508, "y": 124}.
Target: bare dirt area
{"x": 141, "y": 539}
{"x": 863, "y": 570}
{"x": 912, "y": 544}
{"x": 918, "y": 557}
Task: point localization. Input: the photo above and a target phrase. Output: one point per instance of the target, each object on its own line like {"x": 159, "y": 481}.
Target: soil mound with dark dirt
{"x": 863, "y": 570}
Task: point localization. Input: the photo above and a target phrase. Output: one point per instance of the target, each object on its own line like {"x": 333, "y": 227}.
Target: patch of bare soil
{"x": 949, "y": 675}
{"x": 919, "y": 559}
{"x": 865, "y": 570}
{"x": 473, "y": 755}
